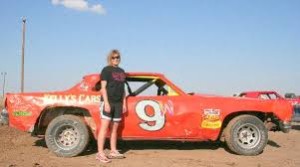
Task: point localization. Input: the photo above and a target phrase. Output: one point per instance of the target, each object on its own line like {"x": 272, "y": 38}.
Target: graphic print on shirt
{"x": 119, "y": 76}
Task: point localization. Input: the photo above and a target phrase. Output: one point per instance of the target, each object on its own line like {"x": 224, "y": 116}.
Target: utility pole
{"x": 23, "y": 52}
{"x": 3, "y": 87}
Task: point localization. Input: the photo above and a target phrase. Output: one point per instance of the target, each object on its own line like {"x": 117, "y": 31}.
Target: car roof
{"x": 146, "y": 74}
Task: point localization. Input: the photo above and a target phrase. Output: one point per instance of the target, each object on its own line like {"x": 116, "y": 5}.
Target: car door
{"x": 159, "y": 113}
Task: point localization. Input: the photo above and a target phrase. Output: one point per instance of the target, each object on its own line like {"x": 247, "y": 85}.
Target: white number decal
{"x": 158, "y": 117}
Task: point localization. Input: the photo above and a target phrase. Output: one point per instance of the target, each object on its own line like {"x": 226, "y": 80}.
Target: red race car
{"x": 157, "y": 110}
{"x": 272, "y": 95}
{"x": 269, "y": 95}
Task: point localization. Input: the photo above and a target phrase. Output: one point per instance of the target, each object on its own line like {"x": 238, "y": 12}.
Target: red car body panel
{"x": 175, "y": 117}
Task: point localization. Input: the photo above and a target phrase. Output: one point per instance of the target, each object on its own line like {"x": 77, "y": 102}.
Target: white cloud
{"x": 80, "y": 5}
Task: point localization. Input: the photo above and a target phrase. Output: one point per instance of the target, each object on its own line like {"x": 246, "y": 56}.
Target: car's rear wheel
{"x": 246, "y": 135}
{"x": 67, "y": 136}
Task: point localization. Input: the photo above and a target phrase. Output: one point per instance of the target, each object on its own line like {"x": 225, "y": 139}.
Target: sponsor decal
{"x": 71, "y": 99}
{"x": 21, "y": 113}
{"x": 211, "y": 119}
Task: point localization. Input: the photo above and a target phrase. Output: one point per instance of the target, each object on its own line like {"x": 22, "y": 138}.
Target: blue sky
{"x": 208, "y": 46}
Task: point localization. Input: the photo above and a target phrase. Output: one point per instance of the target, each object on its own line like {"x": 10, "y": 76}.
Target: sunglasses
{"x": 116, "y": 57}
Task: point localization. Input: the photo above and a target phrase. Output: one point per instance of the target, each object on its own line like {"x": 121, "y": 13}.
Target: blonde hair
{"x": 111, "y": 54}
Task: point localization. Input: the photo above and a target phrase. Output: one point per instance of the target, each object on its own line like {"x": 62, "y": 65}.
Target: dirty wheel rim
{"x": 248, "y": 136}
{"x": 67, "y": 137}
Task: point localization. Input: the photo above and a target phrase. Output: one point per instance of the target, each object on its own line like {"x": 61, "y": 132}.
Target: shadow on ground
{"x": 296, "y": 127}
{"x": 156, "y": 145}
{"x": 126, "y": 146}
{"x": 149, "y": 145}
{"x": 40, "y": 143}
{"x": 169, "y": 145}
{"x": 273, "y": 144}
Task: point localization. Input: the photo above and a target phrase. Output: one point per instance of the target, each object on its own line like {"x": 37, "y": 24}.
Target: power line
{"x": 23, "y": 54}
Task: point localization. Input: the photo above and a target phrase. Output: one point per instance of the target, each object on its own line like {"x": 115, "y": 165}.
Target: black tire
{"x": 67, "y": 136}
{"x": 246, "y": 135}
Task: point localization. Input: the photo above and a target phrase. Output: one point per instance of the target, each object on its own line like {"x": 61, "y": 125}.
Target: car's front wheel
{"x": 246, "y": 135}
{"x": 67, "y": 136}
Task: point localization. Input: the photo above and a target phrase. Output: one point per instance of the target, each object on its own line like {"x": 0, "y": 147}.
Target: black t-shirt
{"x": 115, "y": 77}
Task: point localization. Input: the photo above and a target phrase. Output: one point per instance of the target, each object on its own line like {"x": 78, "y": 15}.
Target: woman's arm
{"x": 104, "y": 95}
{"x": 124, "y": 103}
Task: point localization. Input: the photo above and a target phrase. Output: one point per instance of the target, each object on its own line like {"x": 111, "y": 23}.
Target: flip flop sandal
{"x": 102, "y": 158}
{"x": 115, "y": 155}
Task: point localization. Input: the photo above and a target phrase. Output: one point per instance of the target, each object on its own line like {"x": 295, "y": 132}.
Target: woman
{"x": 113, "y": 105}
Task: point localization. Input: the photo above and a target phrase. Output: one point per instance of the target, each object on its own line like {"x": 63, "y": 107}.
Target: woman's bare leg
{"x": 114, "y": 136}
{"x": 102, "y": 134}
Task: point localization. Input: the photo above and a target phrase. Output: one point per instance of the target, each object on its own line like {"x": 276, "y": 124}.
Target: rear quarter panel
{"x": 226, "y": 106}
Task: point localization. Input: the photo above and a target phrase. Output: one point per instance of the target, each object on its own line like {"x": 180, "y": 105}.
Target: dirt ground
{"x": 19, "y": 149}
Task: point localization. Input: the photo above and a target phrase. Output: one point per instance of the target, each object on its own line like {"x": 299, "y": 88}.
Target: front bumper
{"x": 285, "y": 127}
{"x": 296, "y": 116}
{"x": 4, "y": 117}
